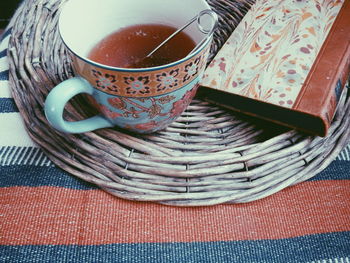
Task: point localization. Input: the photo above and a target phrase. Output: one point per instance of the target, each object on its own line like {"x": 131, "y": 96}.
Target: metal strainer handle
{"x": 197, "y": 18}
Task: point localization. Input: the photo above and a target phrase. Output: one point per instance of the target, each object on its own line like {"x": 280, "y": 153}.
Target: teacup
{"x": 141, "y": 100}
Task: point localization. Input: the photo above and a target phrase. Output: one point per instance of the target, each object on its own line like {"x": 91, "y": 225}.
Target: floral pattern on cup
{"x": 191, "y": 69}
{"x": 156, "y": 111}
{"x": 167, "y": 80}
{"x": 137, "y": 85}
{"x": 105, "y": 81}
{"x": 133, "y": 108}
{"x": 104, "y": 110}
{"x": 180, "y": 105}
{"x": 152, "y": 83}
{"x": 176, "y": 109}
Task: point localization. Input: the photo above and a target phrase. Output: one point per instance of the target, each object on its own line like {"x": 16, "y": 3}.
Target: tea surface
{"x": 129, "y": 46}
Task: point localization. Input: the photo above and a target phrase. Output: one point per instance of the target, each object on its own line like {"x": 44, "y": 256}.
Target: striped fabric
{"x": 47, "y": 215}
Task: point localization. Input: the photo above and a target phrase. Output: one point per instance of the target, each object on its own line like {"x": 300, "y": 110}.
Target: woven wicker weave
{"x": 208, "y": 156}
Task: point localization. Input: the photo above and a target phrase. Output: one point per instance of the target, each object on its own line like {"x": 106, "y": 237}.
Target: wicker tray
{"x": 208, "y": 156}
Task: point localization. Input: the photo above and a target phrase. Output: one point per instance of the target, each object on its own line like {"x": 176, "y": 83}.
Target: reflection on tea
{"x": 128, "y": 47}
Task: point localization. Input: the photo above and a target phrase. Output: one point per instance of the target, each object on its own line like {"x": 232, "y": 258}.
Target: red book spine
{"x": 325, "y": 83}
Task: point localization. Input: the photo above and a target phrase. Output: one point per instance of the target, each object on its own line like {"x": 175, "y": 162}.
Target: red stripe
{"x": 51, "y": 215}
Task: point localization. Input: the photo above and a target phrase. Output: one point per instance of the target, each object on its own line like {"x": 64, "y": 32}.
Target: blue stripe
{"x": 40, "y": 176}
{"x": 12, "y": 175}
{"x": 337, "y": 170}
{"x": 300, "y": 249}
{"x": 3, "y": 53}
{"x": 8, "y": 105}
{"x": 4, "y": 75}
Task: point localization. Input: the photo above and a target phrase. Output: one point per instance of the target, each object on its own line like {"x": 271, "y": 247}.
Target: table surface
{"x": 47, "y": 215}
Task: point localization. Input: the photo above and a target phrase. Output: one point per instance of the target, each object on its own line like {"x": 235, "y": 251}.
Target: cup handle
{"x": 58, "y": 98}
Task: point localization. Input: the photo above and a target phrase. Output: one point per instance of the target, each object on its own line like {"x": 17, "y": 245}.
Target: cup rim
{"x": 199, "y": 49}
{"x": 113, "y": 68}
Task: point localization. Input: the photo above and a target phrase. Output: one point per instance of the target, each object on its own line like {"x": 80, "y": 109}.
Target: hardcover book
{"x": 287, "y": 61}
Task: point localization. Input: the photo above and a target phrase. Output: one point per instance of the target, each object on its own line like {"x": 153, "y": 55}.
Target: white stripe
{"x": 4, "y": 151}
{"x": 1, "y": 154}
{"x": 24, "y": 152}
{"x": 4, "y": 89}
{"x": 18, "y": 151}
{"x": 28, "y": 156}
{"x": 38, "y": 161}
{"x": 12, "y": 131}
{"x": 4, "y": 43}
{"x": 43, "y": 160}
{"x": 4, "y": 63}
{"x": 49, "y": 163}
{"x": 46, "y": 161}
{"x": 36, "y": 151}
{"x": 5, "y": 156}
{"x": 10, "y": 156}
{"x": 344, "y": 154}
{"x": 23, "y": 156}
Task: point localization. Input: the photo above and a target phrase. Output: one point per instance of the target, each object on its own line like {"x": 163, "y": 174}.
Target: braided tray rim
{"x": 207, "y": 156}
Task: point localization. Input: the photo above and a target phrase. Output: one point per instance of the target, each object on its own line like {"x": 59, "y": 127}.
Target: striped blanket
{"x": 47, "y": 215}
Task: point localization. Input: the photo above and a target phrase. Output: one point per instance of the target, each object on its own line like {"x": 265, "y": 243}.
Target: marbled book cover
{"x": 270, "y": 53}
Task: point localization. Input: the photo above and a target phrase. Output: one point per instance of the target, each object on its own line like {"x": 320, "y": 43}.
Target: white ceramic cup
{"x": 142, "y": 99}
